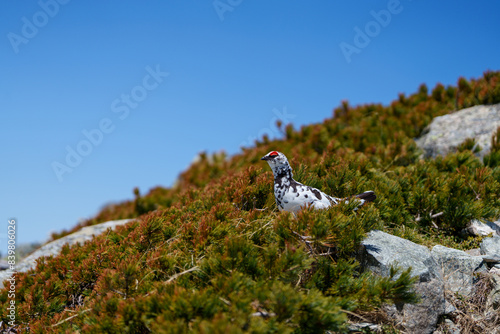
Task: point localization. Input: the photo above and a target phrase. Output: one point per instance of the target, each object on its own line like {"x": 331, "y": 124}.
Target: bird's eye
{"x": 273, "y": 154}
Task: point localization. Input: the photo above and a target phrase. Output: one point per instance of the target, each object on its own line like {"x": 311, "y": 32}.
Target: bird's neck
{"x": 283, "y": 172}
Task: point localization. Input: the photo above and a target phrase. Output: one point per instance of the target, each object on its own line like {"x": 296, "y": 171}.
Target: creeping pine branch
{"x": 174, "y": 277}
{"x": 263, "y": 314}
{"x": 478, "y": 195}
{"x": 69, "y": 318}
{"x": 431, "y": 216}
{"x": 327, "y": 253}
{"x": 307, "y": 242}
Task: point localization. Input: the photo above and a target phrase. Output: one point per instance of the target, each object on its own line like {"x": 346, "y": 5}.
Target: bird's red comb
{"x": 273, "y": 154}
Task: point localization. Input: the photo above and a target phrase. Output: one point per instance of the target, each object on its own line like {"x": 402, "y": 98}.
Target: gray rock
{"x": 380, "y": 251}
{"x": 474, "y": 252}
{"x": 422, "y": 317}
{"x": 449, "y": 308}
{"x": 365, "y": 326}
{"x": 383, "y": 250}
{"x": 4, "y": 265}
{"x": 54, "y": 247}
{"x": 492, "y": 259}
{"x": 480, "y": 229}
{"x": 458, "y": 268}
{"x": 451, "y": 327}
{"x": 490, "y": 247}
{"x": 493, "y": 301}
{"x": 446, "y": 133}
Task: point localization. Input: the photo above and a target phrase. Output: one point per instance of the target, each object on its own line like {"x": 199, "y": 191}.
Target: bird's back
{"x": 299, "y": 195}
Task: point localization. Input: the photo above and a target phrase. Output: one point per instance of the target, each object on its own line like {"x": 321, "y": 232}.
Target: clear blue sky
{"x": 232, "y": 66}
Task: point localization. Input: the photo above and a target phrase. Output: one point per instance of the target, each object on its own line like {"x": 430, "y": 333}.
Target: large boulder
{"x": 53, "y": 248}
{"x": 380, "y": 251}
{"x": 446, "y": 133}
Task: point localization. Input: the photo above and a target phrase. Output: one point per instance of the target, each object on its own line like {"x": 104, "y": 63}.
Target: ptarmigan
{"x": 292, "y": 195}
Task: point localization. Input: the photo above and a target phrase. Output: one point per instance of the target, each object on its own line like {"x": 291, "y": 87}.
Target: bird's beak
{"x": 265, "y": 158}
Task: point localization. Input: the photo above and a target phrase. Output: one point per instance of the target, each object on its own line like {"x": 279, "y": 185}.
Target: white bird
{"x": 292, "y": 196}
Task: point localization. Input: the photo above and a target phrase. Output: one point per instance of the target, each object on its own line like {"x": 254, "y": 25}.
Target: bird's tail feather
{"x": 367, "y": 196}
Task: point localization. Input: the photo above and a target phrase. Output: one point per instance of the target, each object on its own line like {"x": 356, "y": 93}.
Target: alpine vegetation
{"x": 215, "y": 254}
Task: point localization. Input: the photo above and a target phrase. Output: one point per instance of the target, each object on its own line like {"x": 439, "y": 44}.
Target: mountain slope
{"x": 212, "y": 254}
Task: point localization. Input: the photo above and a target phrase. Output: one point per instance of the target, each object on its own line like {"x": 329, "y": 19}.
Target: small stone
{"x": 491, "y": 258}
{"x": 480, "y": 229}
{"x": 452, "y": 327}
{"x": 449, "y": 308}
{"x": 363, "y": 326}
{"x": 491, "y": 247}
{"x": 493, "y": 300}
{"x": 474, "y": 252}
